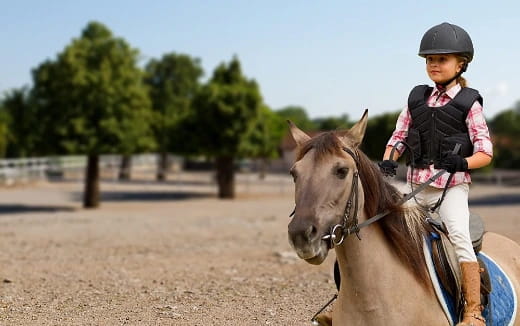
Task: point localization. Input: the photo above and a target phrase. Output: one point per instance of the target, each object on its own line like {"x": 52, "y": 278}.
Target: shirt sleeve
{"x": 478, "y": 130}
{"x": 401, "y": 130}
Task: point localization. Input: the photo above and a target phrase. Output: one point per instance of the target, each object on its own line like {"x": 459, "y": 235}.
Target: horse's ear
{"x": 297, "y": 134}
{"x": 354, "y": 135}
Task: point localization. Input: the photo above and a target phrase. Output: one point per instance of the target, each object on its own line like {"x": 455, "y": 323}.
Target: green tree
{"x": 332, "y": 123}
{"x": 91, "y": 100}
{"x": 173, "y": 82}
{"x": 507, "y": 122}
{"x": 264, "y": 137}
{"x": 224, "y": 110}
{"x": 4, "y": 131}
{"x": 379, "y": 129}
{"x": 20, "y": 120}
{"x": 299, "y": 116}
{"x": 505, "y": 128}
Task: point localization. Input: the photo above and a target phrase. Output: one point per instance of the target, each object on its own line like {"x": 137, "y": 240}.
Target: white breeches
{"x": 454, "y": 212}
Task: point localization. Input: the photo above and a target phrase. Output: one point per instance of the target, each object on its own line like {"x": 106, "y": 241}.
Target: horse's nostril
{"x": 311, "y": 232}
{"x": 301, "y": 232}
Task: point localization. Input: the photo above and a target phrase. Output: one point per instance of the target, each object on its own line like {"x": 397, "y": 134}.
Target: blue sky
{"x": 331, "y": 57}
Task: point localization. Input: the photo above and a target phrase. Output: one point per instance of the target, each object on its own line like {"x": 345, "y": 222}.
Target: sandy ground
{"x": 170, "y": 254}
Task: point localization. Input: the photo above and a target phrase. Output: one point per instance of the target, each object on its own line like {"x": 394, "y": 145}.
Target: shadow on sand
{"x": 145, "y": 196}
{"x": 187, "y": 182}
{"x": 20, "y": 209}
{"x": 107, "y": 196}
{"x": 496, "y": 200}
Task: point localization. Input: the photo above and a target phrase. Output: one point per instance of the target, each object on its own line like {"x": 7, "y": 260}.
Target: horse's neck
{"x": 374, "y": 282}
{"x": 370, "y": 267}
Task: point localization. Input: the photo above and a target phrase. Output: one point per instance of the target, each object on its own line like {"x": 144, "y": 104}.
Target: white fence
{"x": 13, "y": 171}
{"x": 25, "y": 170}
{"x": 499, "y": 177}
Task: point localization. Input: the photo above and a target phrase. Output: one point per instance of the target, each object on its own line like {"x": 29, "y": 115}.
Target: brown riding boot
{"x": 471, "y": 290}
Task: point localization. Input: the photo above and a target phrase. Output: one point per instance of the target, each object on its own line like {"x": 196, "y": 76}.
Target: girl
{"x": 436, "y": 119}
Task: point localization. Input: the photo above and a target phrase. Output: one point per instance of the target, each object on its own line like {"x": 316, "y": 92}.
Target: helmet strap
{"x": 446, "y": 83}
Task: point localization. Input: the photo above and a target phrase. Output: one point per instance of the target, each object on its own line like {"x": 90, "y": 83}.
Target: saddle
{"x": 446, "y": 263}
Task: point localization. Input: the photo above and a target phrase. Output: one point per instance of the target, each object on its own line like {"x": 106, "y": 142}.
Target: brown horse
{"x": 384, "y": 275}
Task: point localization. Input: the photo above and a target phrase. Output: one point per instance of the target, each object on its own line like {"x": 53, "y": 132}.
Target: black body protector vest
{"x": 435, "y": 130}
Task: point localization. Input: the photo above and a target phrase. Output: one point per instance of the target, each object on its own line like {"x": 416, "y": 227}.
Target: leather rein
{"x": 349, "y": 224}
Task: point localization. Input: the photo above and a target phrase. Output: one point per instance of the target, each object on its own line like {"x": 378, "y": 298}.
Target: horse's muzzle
{"x": 307, "y": 242}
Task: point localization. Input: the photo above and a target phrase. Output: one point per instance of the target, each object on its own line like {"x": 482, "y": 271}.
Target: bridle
{"x": 350, "y": 225}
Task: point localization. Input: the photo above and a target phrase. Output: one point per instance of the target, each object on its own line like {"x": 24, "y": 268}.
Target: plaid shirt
{"x": 477, "y": 130}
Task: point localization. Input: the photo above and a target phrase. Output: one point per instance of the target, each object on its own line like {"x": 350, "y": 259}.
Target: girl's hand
{"x": 452, "y": 163}
{"x": 388, "y": 167}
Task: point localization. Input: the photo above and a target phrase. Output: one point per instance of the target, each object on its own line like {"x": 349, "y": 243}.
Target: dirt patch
{"x": 192, "y": 260}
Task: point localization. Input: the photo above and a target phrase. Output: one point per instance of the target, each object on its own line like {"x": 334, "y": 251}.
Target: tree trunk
{"x": 125, "y": 168}
{"x": 91, "y": 195}
{"x": 225, "y": 177}
{"x": 263, "y": 168}
{"x": 162, "y": 166}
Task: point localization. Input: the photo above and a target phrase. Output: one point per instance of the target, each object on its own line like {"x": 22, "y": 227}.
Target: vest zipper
{"x": 432, "y": 141}
{"x": 433, "y": 131}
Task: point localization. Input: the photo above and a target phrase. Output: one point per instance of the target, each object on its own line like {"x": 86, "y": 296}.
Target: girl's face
{"x": 442, "y": 67}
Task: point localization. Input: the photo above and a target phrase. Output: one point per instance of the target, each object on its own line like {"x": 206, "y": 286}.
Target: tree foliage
{"x": 505, "y": 128}
{"x": 91, "y": 98}
{"x": 379, "y": 129}
{"x": 507, "y": 122}
{"x": 4, "y": 131}
{"x": 298, "y": 115}
{"x": 22, "y": 129}
{"x": 173, "y": 81}
{"x": 224, "y": 110}
{"x": 332, "y": 123}
{"x": 264, "y": 136}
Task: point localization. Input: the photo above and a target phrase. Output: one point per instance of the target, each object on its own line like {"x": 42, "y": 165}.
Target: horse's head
{"x": 323, "y": 173}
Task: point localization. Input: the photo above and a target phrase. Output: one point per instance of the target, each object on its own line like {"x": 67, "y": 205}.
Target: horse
{"x": 384, "y": 279}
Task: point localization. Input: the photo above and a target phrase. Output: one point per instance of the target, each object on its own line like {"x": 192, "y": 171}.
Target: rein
{"x": 341, "y": 231}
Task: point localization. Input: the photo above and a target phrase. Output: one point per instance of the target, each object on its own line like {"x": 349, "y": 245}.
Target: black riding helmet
{"x": 447, "y": 38}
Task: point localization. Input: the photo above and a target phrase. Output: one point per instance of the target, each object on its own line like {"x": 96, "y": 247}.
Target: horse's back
{"x": 506, "y": 253}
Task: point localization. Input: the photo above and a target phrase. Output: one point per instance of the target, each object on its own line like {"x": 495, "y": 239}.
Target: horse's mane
{"x": 404, "y": 227}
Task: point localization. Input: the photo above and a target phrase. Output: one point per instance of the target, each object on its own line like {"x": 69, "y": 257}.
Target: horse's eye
{"x": 341, "y": 173}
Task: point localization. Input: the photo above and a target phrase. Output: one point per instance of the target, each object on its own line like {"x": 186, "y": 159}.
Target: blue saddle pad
{"x": 501, "y": 310}
{"x": 503, "y": 302}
